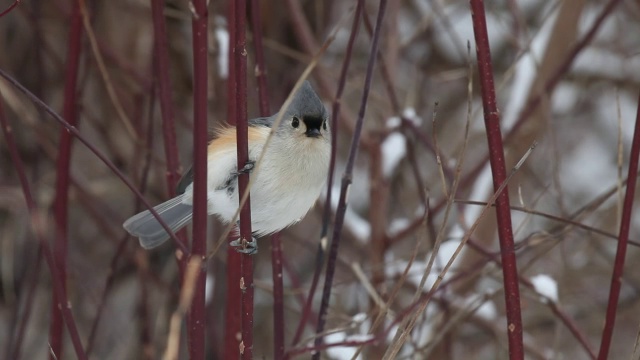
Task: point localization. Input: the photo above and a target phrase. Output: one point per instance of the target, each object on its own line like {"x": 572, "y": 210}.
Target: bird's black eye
{"x": 296, "y": 122}
{"x": 324, "y": 124}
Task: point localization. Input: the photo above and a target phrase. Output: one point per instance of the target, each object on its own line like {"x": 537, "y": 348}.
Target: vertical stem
{"x": 233, "y": 324}
{"x": 623, "y": 238}
{"x": 242, "y": 129}
{"x": 261, "y": 73}
{"x": 278, "y": 297}
{"x": 326, "y": 216}
{"x": 161, "y": 53}
{"x": 276, "y": 243}
{"x": 163, "y": 87}
{"x": 63, "y": 164}
{"x": 346, "y": 181}
{"x": 30, "y": 283}
{"x": 197, "y": 322}
{"x": 38, "y": 223}
{"x": 498, "y": 170}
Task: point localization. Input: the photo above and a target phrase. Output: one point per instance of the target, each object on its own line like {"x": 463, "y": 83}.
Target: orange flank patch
{"x": 225, "y": 138}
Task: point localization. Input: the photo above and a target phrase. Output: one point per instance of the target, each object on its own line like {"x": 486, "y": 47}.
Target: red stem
{"x": 498, "y": 170}
{"x": 346, "y": 182}
{"x": 164, "y": 94}
{"x": 145, "y": 165}
{"x": 258, "y": 48}
{"x": 618, "y": 266}
{"x": 242, "y": 130}
{"x": 326, "y": 216}
{"x": 63, "y": 164}
{"x": 30, "y": 282}
{"x": 163, "y": 87}
{"x": 199, "y": 30}
{"x": 276, "y": 243}
{"x": 553, "y": 81}
{"x": 108, "y": 163}
{"x": 278, "y": 297}
{"x": 37, "y": 221}
{"x": 10, "y": 8}
{"x": 233, "y": 322}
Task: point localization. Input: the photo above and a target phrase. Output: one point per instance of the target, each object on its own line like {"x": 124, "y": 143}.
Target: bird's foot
{"x": 245, "y": 247}
{"x": 248, "y": 167}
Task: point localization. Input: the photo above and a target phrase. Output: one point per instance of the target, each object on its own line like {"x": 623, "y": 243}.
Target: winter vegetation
{"x": 480, "y": 203}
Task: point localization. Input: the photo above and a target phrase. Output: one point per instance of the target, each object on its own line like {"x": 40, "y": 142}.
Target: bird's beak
{"x": 313, "y": 132}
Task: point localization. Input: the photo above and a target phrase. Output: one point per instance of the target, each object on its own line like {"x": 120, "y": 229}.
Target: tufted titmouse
{"x": 286, "y": 185}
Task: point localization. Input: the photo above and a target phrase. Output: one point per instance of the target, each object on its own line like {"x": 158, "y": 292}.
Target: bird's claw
{"x": 248, "y": 167}
{"x": 245, "y": 247}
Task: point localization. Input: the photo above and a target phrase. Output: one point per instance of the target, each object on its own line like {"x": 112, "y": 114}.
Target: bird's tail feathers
{"x": 146, "y": 227}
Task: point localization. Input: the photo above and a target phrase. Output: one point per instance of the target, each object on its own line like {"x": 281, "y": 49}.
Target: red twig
{"x": 326, "y": 216}
{"x": 258, "y": 48}
{"x": 73, "y": 130}
{"x": 242, "y": 130}
{"x": 197, "y": 322}
{"x": 278, "y": 297}
{"x": 233, "y": 317}
{"x": 163, "y": 87}
{"x": 145, "y": 165}
{"x": 31, "y": 281}
{"x": 618, "y": 266}
{"x": 10, "y": 8}
{"x": 276, "y": 243}
{"x": 549, "y": 86}
{"x": 498, "y": 170}
{"x": 164, "y": 94}
{"x": 63, "y": 164}
{"x": 346, "y": 181}
{"x": 38, "y": 224}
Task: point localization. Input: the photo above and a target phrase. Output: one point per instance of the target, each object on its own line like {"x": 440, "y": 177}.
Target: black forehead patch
{"x": 313, "y": 121}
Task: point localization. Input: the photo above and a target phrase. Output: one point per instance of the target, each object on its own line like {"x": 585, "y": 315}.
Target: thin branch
{"x": 197, "y": 314}
{"x": 496, "y": 159}
{"x": 618, "y": 266}
{"x": 63, "y": 165}
{"x": 38, "y": 223}
{"x": 10, "y": 8}
{"x": 326, "y": 216}
{"x": 242, "y": 131}
{"x": 233, "y": 313}
{"x": 346, "y": 181}
{"x": 103, "y": 158}
{"x": 276, "y": 242}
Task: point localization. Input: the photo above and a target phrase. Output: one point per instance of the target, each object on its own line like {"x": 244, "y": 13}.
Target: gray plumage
{"x": 145, "y": 226}
{"x": 286, "y": 185}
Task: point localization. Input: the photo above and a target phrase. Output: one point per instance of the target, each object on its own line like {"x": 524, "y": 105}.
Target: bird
{"x": 285, "y": 186}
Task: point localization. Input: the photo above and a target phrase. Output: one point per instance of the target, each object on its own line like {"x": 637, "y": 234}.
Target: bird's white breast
{"x": 285, "y": 185}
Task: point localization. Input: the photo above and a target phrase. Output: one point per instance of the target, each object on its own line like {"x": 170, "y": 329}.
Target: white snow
{"x": 603, "y": 63}
{"x": 587, "y": 167}
{"x": 397, "y": 225}
{"x": 209, "y": 286}
{"x": 564, "y": 98}
{"x": 486, "y": 309}
{"x": 344, "y": 352}
{"x": 545, "y": 286}
{"x": 396, "y": 268}
{"x": 357, "y": 225}
{"x": 394, "y": 146}
{"x": 525, "y": 73}
{"x": 394, "y": 149}
{"x": 222, "y": 38}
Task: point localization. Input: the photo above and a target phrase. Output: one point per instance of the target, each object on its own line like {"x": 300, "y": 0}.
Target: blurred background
{"x": 567, "y": 75}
